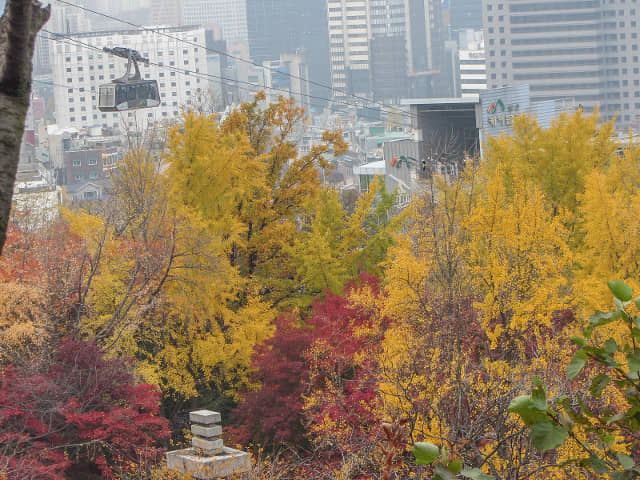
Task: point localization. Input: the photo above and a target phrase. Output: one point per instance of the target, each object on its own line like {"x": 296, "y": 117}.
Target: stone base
{"x": 229, "y": 462}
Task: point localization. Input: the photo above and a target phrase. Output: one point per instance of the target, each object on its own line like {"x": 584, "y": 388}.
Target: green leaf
{"x": 547, "y": 436}
{"x": 476, "y": 474}
{"x": 620, "y": 476}
{"x": 426, "y": 453}
{"x": 616, "y": 418}
{"x": 637, "y": 302}
{"x": 539, "y": 398}
{"x": 597, "y": 464}
{"x": 578, "y": 340}
{"x": 577, "y": 363}
{"x": 626, "y": 461}
{"x": 620, "y": 290}
{"x": 602, "y": 318}
{"x": 607, "y": 441}
{"x": 529, "y": 410}
{"x": 610, "y": 346}
{"x": 456, "y": 466}
{"x": 442, "y": 473}
{"x": 599, "y": 384}
{"x": 633, "y": 360}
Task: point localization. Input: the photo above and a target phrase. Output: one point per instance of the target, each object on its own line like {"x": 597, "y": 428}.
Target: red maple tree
{"x": 78, "y": 415}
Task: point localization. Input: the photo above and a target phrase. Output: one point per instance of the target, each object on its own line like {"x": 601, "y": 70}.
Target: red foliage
{"x": 51, "y": 259}
{"x": 81, "y": 411}
{"x": 330, "y": 358}
{"x": 344, "y": 376}
{"x": 272, "y": 415}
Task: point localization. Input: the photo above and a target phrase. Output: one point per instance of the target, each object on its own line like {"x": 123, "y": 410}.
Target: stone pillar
{"x": 208, "y": 458}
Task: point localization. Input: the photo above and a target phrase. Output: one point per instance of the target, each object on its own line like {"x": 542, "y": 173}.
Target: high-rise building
{"x": 287, "y": 77}
{"x": 586, "y": 50}
{"x": 229, "y": 15}
{"x": 292, "y": 27}
{"x": 356, "y": 27}
{"x": 166, "y": 12}
{"x": 465, "y": 15}
{"x": 472, "y": 62}
{"x": 79, "y": 70}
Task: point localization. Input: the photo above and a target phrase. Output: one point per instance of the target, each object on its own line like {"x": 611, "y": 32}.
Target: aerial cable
{"x": 188, "y": 42}
{"x": 53, "y": 36}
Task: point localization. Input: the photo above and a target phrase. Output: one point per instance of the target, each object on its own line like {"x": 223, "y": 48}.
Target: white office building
{"x": 473, "y": 68}
{"x": 80, "y": 67}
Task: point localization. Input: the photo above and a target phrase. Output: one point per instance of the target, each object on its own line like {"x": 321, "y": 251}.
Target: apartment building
{"x": 80, "y": 68}
{"x": 585, "y": 50}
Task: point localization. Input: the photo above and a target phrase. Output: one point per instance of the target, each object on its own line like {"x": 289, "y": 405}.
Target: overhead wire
{"x": 228, "y": 81}
{"x": 240, "y": 59}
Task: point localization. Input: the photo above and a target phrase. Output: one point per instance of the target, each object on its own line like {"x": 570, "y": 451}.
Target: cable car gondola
{"x": 130, "y": 91}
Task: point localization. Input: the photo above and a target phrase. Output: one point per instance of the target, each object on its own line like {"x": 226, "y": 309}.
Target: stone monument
{"x": 208, "y": 458}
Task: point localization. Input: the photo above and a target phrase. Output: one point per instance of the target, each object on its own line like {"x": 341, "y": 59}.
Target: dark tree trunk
{"x": 18, "y": 29}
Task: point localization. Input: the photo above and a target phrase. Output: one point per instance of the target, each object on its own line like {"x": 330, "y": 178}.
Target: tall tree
{"x": 19, "y": 25}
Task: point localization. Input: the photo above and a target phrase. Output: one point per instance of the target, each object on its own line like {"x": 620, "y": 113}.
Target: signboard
{"x": 499, "y": 106}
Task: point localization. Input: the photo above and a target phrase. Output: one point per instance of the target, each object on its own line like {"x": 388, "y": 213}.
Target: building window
{"x": 76, "y": 163}
{"x": 93, "y": 175}
{"x": 92, "y": 162}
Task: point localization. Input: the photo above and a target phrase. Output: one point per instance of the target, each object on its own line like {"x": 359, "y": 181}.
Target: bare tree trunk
{"x": 18, "y": 29}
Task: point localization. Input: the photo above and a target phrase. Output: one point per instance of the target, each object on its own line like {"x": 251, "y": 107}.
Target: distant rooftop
{"x": 389, "y": 136}
{"x": 137, "y": 31}
{"x": 472, "y": 99}
{"x": 373, "y": 168}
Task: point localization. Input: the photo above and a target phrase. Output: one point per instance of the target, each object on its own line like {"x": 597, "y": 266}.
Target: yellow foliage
{"x": 518, "y": 255}
{"x": 23, "y": 322}
{"x": 611, "y": 228}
